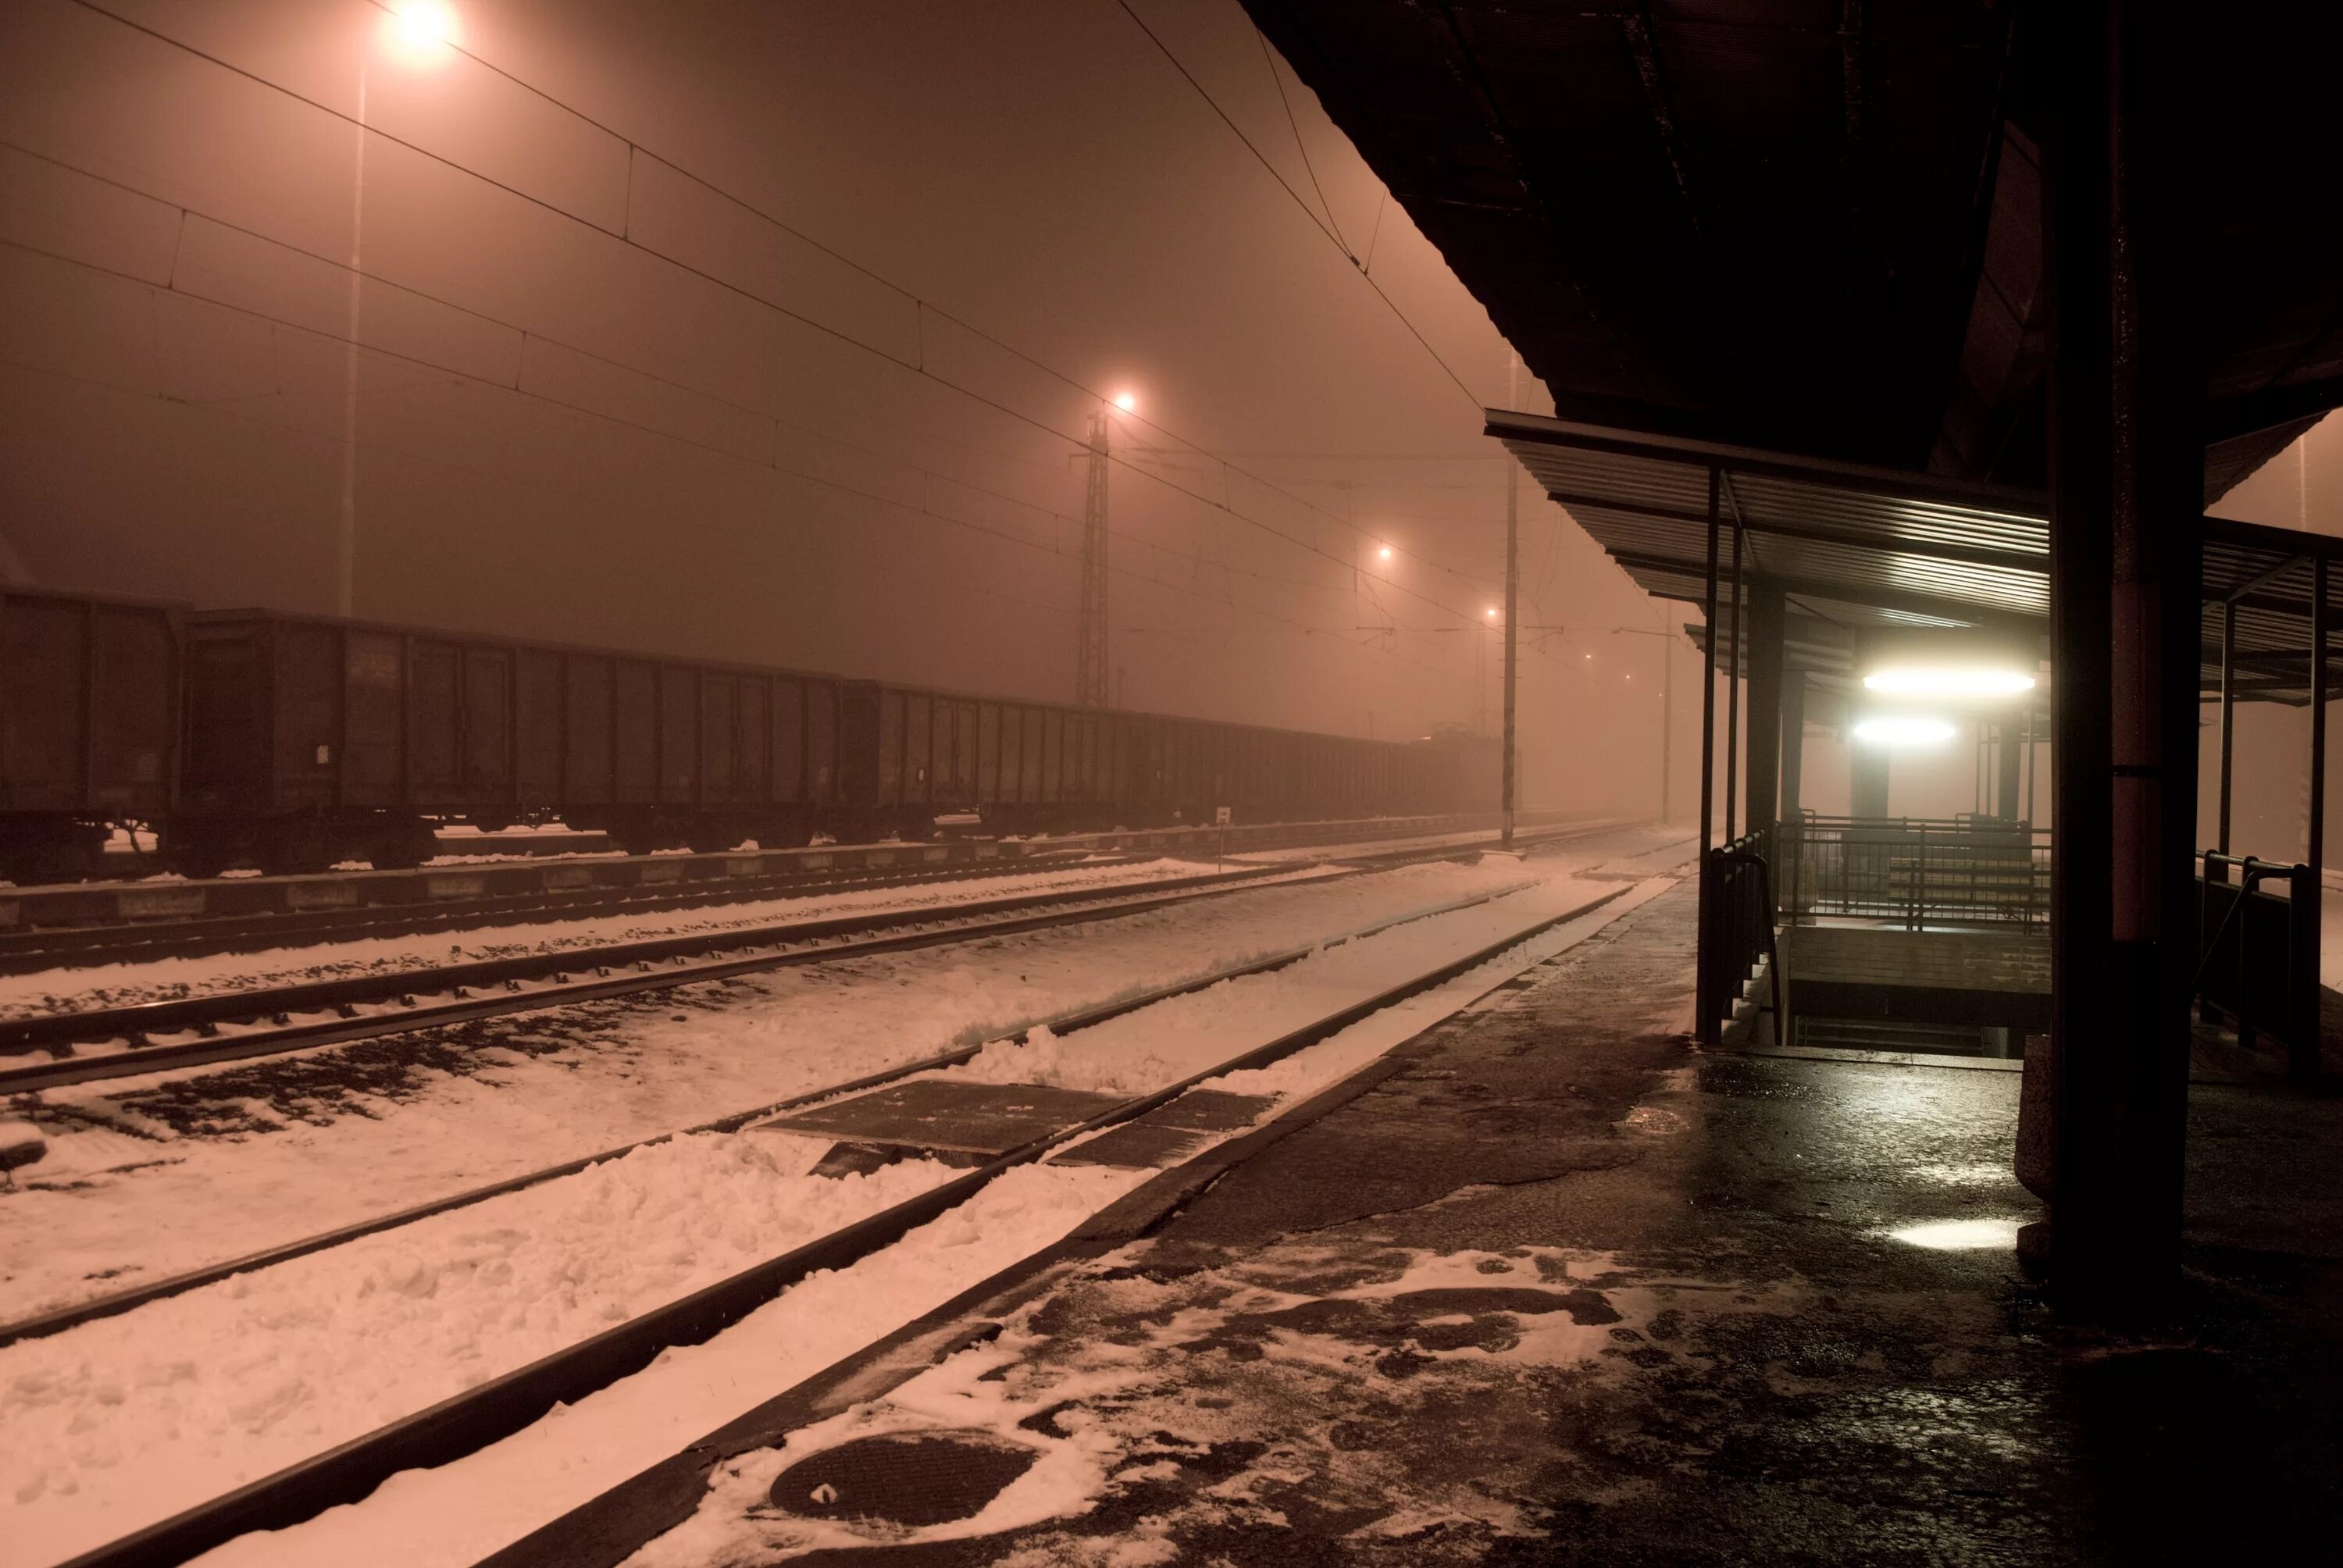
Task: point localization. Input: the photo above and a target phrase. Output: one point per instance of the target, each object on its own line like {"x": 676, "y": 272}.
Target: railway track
{"x": 42, "y": 949}
{"x": 470, "y": 1420}
{"x": 361, "y": 905}
{"x": 1065, "y": 1023}
{"x": 52, "y": 1050}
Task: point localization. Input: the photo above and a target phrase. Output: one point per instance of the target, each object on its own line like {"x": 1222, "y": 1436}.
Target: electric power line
{"x": 921, "y": 306}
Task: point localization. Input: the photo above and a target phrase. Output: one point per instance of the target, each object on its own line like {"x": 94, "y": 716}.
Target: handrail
{"x": 2298, "y": 999}
{"x": 1731, "y": 926}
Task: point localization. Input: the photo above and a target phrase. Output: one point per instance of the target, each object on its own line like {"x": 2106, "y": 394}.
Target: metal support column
{"x": 1762, "y": 785}
{"x": 2126, "y": 444}
{"x": 1732, "y": 690}
{"x": 2229, "y": 720}
{"x": 2302, "y": 1051}
{"x": 1090, "y": 640}
{"x": 1708, "y": 1027}
{"x": 1512, "y": 638}
{"x": 2007, "y": 760}
{"x": 1794, "y": 741}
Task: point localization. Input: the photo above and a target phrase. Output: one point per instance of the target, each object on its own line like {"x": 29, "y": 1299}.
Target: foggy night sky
{"x": 554, "y": 433}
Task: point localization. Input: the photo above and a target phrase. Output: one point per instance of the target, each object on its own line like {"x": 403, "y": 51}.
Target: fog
{"x": 772, "y": 334}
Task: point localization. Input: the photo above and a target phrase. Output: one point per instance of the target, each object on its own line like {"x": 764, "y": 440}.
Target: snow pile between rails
{"x": 463, "y": 1511}
{"x": 129, "y": 1419}
{"x": 164, "y": 980}
{"x": 125, "y": 1196}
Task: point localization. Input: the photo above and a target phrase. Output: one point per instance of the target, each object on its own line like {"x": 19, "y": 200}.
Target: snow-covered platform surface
{"x": 127, "y": 1419}
{"x": 1554, "y": 1287}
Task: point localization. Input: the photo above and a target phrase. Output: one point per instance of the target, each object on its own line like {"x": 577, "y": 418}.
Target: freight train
{"x": 253, "y": 738}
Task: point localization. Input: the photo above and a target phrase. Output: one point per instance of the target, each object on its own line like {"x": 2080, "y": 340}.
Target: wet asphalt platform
{"x": 1550, "y": 1286}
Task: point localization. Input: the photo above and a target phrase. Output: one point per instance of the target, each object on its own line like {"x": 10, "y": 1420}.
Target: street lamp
{"x": 1126, "y": 401}
{"x": 419, "y": 33}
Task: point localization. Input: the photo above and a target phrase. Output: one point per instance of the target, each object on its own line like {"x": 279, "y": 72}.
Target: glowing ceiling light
{"x": 1126, "y": 401}
{"x": 1909, "y": 680}
{"x": 1904, "y": 731}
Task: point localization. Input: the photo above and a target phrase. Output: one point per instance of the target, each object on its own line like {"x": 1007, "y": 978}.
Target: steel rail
{"x": 44, "y": 948}
{"x": 538, "y": 981}
{"x": 465, "y": 1422}
{"x": 1065, "y": 1023}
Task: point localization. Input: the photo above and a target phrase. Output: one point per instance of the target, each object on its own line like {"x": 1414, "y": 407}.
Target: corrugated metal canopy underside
{"x": 1861, "y": 550}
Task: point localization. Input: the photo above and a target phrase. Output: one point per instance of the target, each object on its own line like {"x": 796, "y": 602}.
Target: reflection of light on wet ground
{"x": 1959, "y": 1235}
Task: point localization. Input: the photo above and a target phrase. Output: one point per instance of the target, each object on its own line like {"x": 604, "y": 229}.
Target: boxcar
{"x": 89, "y": 719}
{"x": 292, "y": 741}
{"x": 311, "y": 739}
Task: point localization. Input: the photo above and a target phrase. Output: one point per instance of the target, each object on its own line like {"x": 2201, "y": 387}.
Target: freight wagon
{"x": 89, "y": 726}
{"x": 291, "y": 742}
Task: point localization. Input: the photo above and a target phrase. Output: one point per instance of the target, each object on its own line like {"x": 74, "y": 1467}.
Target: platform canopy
{"x": 1817, "y": 228}
{"x": 1860, "y": 549}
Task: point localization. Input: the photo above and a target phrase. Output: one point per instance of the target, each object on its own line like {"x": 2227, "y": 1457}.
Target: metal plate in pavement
{"x": 948, "y": 1113}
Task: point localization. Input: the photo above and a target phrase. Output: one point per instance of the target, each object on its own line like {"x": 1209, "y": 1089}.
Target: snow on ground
{"x": 131, "y": 1419}
{"x": 122, "y": 984}
{"x": 1173, "y": 1039}
{"x": 149, "y": 1177}
{"x": 461, "y": 1511}
{"x": 1605, "y": 827}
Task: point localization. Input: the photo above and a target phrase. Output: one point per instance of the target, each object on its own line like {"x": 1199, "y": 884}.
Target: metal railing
{"x": 2258, "y": 964}
{"x": 1917, "y": 871}
{"x": 1737, "y": 931}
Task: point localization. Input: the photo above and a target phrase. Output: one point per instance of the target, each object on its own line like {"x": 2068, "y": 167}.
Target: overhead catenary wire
{"x": 1333, "y": 238}
{"x": 921, "y": 306}
{"x": 1278, "y": 81}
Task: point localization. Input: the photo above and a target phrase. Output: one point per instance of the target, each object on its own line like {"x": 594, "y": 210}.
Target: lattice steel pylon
{"x": 1090, "y": 660}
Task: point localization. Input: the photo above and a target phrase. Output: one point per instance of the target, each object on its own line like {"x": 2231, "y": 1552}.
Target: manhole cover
{"x": 906, "y": 1477}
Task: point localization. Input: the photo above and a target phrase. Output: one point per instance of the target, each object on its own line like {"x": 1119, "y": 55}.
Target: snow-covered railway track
{"x": 504, "y": 1404}
{"x": 50, "y": 948}
{"x": 61, "y": 1049}
{"x": 1062, "y": 1024}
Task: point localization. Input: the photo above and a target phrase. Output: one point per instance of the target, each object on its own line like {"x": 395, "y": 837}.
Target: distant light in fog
{"x": 1383, "y": 552}
{"x": 1126, "y": 401}
{"x": 1904, "y": 731}
{"x": 1921, "y": 681}
{"x": 420, "y": 32}
{"x": 1491, "y": 612}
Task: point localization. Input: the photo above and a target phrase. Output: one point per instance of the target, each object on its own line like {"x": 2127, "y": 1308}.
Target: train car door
{"x": 374, "y": 766}
{"x": 678, "y": 739}
{"x": 918, "y": 747}
{"x": 789, "y": 749}
{"x": 862, "y": 744}
{"x": 825, "y": 741}
{"x": 435, "y": 720}
{"x": 538, "y": 709}
{"x": 988, "y": 753}
{"x": 588, "y": 765}
{"x": 636, "y": 724}
{"x": 488, "y": 725}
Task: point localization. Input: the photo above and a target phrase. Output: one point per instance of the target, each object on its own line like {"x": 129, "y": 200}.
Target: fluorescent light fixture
{"x": 1922, "y": 681}
{"x": 1902, "y": 730}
